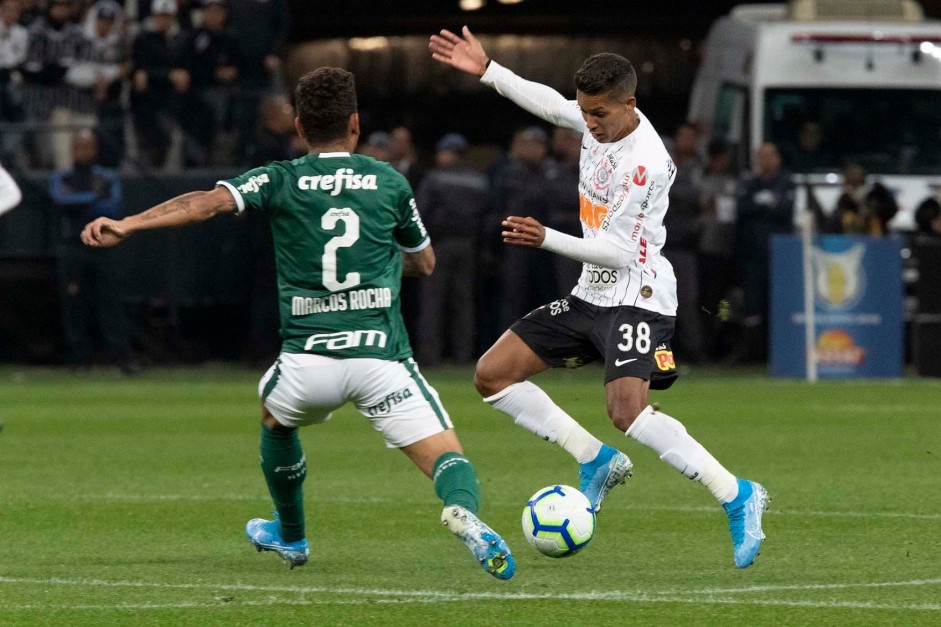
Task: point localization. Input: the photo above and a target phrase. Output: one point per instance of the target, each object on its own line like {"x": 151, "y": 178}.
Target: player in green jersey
{"x": 345, "y": 229}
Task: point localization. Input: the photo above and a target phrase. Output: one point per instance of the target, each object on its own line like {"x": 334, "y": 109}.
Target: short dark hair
{"x": 927, "y": 212}
{"x": 606, "y": 72}
{"x": 325, "y": 99}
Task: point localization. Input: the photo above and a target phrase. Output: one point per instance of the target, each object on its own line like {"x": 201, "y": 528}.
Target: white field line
{"x": 705, "y": 596}
{"x": 150, "y": 498}
{"x": 81, "y": 581}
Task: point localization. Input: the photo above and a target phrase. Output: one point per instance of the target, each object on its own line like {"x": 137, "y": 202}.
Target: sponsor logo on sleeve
{"x": 254, "y": 183}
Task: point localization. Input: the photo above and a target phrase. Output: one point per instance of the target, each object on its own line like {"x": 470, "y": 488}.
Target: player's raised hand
{"x": 103, "y": 233}
{"x": 523, "y": 232}
{"x": 465, "y": 53}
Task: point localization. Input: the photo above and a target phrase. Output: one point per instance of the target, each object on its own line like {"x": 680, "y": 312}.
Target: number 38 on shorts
{"x": 639, "y": 345}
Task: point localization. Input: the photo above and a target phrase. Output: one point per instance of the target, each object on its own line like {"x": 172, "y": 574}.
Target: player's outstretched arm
{"x": 465, "y": 54}
{"x": 599, "y": 251}
{"x": 185, "y": 209}
{"x": 523, "y": 232}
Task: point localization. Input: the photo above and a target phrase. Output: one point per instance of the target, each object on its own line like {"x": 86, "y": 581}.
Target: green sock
{"x": 456, "y": 481}
{"x": 284, "y": 466}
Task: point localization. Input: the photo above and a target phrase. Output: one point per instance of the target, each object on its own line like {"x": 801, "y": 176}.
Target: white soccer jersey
{"x": 623, "y": 197}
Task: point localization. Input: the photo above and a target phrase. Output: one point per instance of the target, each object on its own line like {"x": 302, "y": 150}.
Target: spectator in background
{"x": 101, "y": 65}
{"x": 453, "y": 202}
{"x": 764, "y": 207}
{"x": 31, "y": 11}
{"x": 860, "y": 210}
{"x": 46, "y": 97}
{"x": 810, "y": 153}
{"x": 717, "y": 242}
{"x": 403, "y": 157}
{"x": 928, "y": 218}
{"x": 378, "y": 146}
{"x": 276, "y": 139}
{"x": 210, "y": 56}
{"x": 155, "y": 89}
{"x": 563, "y": 213}
{"x": 261, "y": 27}
{"x": 683, "y": 224}
{"x": 87, "y": 280}
{"x": 880, "y": 208}
{"x": 14, "y": 41}
{"x": 526, "y": 192}
{"x": 846, "y": 217}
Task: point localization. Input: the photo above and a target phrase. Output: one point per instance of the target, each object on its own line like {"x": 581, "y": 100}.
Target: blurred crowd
{"x": 720, "y": 223}
{"x": 195, "y": 82}
{"x": 87, "y": 87}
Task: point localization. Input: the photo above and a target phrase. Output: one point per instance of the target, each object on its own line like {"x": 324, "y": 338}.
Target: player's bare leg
{"x": 744, "y": 501}
{"x": 502, "y": 379}
{"x": 440, "y": 457}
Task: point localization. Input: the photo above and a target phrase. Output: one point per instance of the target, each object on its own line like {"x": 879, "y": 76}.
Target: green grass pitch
{"x": 124, "y": 502}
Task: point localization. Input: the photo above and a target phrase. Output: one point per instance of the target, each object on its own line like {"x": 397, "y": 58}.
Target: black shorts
{"x": 633, "y": 342}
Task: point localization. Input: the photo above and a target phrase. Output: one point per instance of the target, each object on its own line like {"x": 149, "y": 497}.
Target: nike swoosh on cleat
{"x": 621, "y": 362}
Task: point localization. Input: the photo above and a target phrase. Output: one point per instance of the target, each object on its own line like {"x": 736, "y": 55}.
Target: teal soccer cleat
{"x": 488, "y": 547}
{"x": 265, "y": 535}
{"x": 609, "y": 468}
{"x": 745, "y": 521}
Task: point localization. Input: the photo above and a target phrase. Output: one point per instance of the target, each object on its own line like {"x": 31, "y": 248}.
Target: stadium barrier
{"x": 212, "y": 266}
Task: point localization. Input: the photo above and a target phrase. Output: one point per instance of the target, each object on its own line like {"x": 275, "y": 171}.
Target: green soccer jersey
{"x": 340, "y": 223}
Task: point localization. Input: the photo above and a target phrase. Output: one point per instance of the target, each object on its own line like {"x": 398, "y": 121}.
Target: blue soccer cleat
{"x": 265, "y": 535}
{"x": 488, "y": 547}
{"x": 745, "y": 521}
{"x": 609, "y": 468}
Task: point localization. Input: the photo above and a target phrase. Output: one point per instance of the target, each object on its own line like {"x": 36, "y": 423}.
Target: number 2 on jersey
{"x": 351, "y": 233}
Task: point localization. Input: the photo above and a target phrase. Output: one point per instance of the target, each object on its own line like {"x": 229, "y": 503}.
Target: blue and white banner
{"x": 858, "y": 299}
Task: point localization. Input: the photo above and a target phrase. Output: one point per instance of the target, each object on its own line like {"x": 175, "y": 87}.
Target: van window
{"x": 730, "y": 119}
{"x": 887, "y": 131}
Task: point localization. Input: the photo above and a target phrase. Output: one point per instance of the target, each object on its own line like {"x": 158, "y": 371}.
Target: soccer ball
{"x": 558, "y": 520}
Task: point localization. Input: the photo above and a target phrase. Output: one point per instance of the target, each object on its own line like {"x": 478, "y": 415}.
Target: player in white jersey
{"x": 623, "y": 308}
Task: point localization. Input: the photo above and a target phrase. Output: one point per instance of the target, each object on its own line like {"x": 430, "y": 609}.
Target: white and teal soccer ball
{"x": 558, "y": 520}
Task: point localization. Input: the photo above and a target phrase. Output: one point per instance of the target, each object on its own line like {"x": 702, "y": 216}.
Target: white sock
{"x": 668, "y": 437}
{"x": 532, "y": 409}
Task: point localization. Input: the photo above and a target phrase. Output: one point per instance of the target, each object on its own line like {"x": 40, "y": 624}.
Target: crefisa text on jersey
{"x": 371, "y": 298}
{"x": 344, "y": 178}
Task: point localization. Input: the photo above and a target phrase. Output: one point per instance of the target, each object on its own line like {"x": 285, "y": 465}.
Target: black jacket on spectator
{"x": 764, "y": 207}
{"x": 156, "y": 54}
{"x": 261, "y": 26}
{"x": 203, "y": 52}
{"x": 453, "y": 202}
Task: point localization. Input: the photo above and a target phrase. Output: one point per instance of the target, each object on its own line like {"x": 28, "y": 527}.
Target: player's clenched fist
{"x": 465, "y": 53}
{"x": 523, "y": 231}
{"x": 103, "y": 233}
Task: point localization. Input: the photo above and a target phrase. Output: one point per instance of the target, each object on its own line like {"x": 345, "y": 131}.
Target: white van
{"x": 830, "y": 82}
